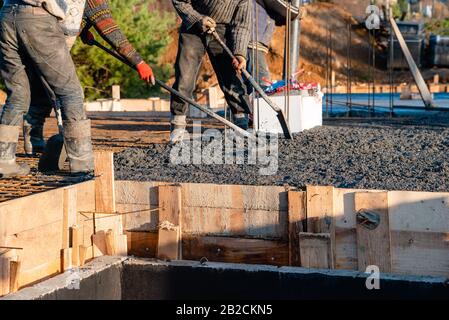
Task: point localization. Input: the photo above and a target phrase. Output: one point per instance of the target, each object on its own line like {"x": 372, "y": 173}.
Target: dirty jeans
{"x": 257, "y": 66}
{"x": 31, "y": 39}
{"x": 192, "y": 47}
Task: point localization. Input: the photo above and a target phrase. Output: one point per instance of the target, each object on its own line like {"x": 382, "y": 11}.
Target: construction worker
{"x": 261, "y": 34}
{"x": 97, "y": 14}
{"x": 231, "y": 20}
{"x": 32, "y": 36}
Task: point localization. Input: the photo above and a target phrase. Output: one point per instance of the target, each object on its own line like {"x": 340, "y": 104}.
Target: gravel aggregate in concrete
{"x": 371, "y": 154}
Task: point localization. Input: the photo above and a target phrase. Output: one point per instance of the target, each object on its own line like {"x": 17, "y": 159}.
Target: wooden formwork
{"x": 322, "y": 227}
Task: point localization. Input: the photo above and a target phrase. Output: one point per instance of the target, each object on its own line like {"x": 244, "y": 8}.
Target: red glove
{"x": 87, "y": 37}
{"x": 146, "y": 73}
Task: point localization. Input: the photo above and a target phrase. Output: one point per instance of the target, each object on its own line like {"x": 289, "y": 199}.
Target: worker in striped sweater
{"x": 97, "y": 14}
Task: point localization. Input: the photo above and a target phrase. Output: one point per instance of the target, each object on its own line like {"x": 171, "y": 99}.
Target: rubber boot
{"x": 178, "y": 130}
{"x": 33, "y": 136}
{"x": 78, "y": 144}
{"x": 9, "y": 168}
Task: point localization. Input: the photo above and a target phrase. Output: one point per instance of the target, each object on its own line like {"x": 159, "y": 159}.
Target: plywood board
{"x": 99, "y": 243}
{"x": 30, "y": 212}
{"x": 70, "y": 212}
{"x": 142, "y": 244}
{"x": 235, "y": 222}
{"x": 104, "y": 182}
{"x": 316, "y": 250}
{"x": 374, "y": 246}
{"x": 235, "y": 250}
{"x": 170, "y": 211}
{"x": 296, "y": 219}
{"x": 420, "y": 253}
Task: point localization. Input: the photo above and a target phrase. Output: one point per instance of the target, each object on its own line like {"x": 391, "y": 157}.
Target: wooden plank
{"x": 43, "y": 271}
{"x": 122, "y": 245}
{"x": 420, "y": 253}
{"x": 66, "y": 259}
{"x": 139, "y": 217}
{"x": 373, "y": 246}
{"x": 82, "y": 255}
{"x": 110, "y": 242}
{"x": 296, "y": 218}
{"x": 235, "y": 250}
{"x": 316, "y": 250}
{"x": 419, "y": 211}
{"x": 321, "y": 213}
{"x": 76, "y": 237}
{"x": 142, "y": 244}
{"x": 169, "y": 241}
{"x": 30, "y": 212}
{"x": 235, "y": 222}
{"x": 99, "y": 244}
{"x": 86, "y": 196}
{"x": 5, "y": 265}
{"x": 104, "y": 182}
{"x": 69, "y": 214}
{"x": 14, "y": 268}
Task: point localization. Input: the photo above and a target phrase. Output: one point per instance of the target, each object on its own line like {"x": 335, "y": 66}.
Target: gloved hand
{"x": 239, "y": 63}
{"x": 146, "y": 73}
{"x": 87, "y": 37}
{"x": 207, "y": 25}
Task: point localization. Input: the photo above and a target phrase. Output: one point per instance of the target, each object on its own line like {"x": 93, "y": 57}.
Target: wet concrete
{"x": 386, "y": 154}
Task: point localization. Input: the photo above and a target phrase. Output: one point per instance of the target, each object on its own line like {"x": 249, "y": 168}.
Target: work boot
{"x": 9, "y": 168}
{"x": 241, "y": 120}
{"x": 33, "y": 136}
{"x": 78, "y": 144}
{"x": 178, "y": 130}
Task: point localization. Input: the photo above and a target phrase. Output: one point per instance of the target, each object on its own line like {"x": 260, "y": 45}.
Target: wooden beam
{"x": 99, "y": 244}
{"x": 122, "y": 245}
{"x": 66, "y": 259}
{"x": 76, "y": 234}
{"x": 321, "y": 213}
{"x": 170, "y": 210}
{"x": 69, "y": 214}
{"x": 110, "y": 242}
{"x": 316, "y": 250}
{"x": 104, "y": 182}
{"x": 373, "y": 246}
{"x": 296, "y": 218}
{"x": 235, "y": 250}
{"x": 82, "y": 255}
{"x": 14, "y": 270}
{"x": 142, "y": 243}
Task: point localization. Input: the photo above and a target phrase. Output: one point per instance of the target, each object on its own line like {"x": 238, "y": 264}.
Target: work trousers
{"x": 193, "y": 45}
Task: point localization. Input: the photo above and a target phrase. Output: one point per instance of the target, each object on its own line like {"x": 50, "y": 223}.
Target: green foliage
{"x": 147, "y": 31}
{"x": 440, "y": 27}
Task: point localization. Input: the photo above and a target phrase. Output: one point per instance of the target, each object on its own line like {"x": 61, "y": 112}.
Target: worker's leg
{"x": 45, "y": 43}
{"x": 232, "y": 86}
{"x": 188, "y": 62}
{"x": 18, "y": 90}
{"x": 40, "y": 108}
{"x": 257, "y": 66}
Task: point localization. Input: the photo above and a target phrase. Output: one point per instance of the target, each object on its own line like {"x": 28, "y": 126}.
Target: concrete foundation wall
{"x": 113, "y": 278}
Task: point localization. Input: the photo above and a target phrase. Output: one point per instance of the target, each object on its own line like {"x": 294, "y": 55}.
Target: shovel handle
{"x": 178, "y": 94}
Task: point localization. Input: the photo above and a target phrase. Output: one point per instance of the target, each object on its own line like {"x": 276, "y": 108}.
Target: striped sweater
{"x": 236, "y": 13}
{"x": 98, "y": 14}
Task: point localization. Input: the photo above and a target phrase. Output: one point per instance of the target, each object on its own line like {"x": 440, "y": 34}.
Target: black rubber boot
{"x": 33, "y": 136}
{"x": 9, "y": 168}
{"x": 78, "y": 144}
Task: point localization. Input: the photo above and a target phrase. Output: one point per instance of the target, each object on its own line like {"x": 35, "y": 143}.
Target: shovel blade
{"x": 54, "y": 156}
{"x": 284, "y": 125}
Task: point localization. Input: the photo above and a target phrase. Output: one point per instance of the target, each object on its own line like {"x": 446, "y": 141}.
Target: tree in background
{"x": 147, "y": 31}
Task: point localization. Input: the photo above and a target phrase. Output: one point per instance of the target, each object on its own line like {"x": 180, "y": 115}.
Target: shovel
{"x": 178, "y": 94}
{"x": 256, "y": 86}
{"x": 54, "y": 156}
